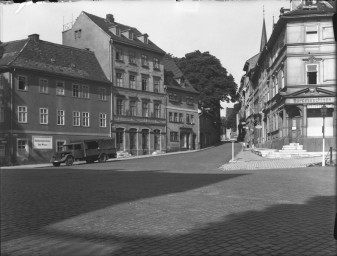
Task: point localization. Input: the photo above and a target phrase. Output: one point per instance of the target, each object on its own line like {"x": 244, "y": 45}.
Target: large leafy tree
{"x": 210, "y": 78}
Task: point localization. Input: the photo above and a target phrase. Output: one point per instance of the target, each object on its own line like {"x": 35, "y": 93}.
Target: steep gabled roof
{"x": 35, "y": 54}
{"x": 251, "y": 63}
{"x": 321, "y": 7}
{"x": 135, "y": 42}
{"x": 263, "y": 36}
{"x": 169, "y": 65}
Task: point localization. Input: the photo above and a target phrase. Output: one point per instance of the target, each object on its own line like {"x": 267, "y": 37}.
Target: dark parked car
{"x": 87, "y": 150}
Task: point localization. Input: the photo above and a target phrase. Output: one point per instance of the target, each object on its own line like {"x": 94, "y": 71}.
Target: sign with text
{"x": 42, "y": 142}
{"x": 311, "y": 100}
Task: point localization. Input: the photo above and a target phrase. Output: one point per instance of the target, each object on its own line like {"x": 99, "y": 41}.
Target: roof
{"x": 263, "y": 36}
{"x": 322, "y": 7}
{"x": 185, "y": 87}
{"x": 169, "y": 65}
{"x": 105, "y": 25}
{"x": 35, "y": 54}
{"x": 251, "y": 63}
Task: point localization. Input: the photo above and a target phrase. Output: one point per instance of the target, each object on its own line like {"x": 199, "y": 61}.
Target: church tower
{"x": 264, "y": 34}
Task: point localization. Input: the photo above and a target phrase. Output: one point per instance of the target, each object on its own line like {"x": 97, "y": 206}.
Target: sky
{"x": 229, "y": 30}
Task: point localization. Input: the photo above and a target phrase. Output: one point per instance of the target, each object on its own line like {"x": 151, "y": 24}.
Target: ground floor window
{"x": 174, "y": 136}
{"x": 22, "y": 147}
{"x": 59, "y": 144}
{"x": 2, "y": 149}
{"x": 315, "y": 123}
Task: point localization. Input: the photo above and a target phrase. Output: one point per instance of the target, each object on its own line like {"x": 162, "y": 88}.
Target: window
{"x": 119, "y": 108}
{"x": 130, "y": 35}
{"x": 76, "y": 90}
{"x": 132, "y": 81}
{"x": 181, "y": 118}
{"x": 189, "y": 100}
{"x": 119, "y": 79}
{"x": 76, "y": 118}
{"x": 43, "y": 85}
{"x": 282, "y": 79}
{"x": 2, "y": 114}
{"x": 192, "y": 119}
{"x": 59, "y": 144}
{"x": 60, "y": 88}
{"x": 157, "y": 110}
{"x": 102, "y": 94}
{"x": 85, "y": 119}
{"x": 145, "y": 61}
{"x": 78, "y": 33}
{"x": 144, "y": 83}
{"x": 2, "y": 82}
{"x": 133, "y": 138}
{"x": 170, "y": 116}
{"x": 22, "y": 83}
{"x": 155, "y": 63}
{"x": 119, "y": 55}
{"x": 156, "y": 84}
{"x": 174, "y": 136}
{"x": 312, "y": 73}
{"x": 187, "y": 118}
{"x": 145, "y": 109}
{"x": 311, "y": 34}
{"x": 132, "y": 58}
{"x": 43, "y": 115}
{"x": 60, "y": 117}
{"x": 102, "y": 120}
{"x": 22, "y": 147}
{"x": 119, "y": 139}
{"x": 175, "y": 117}
{"x": 85, "y": 91}
{"x": 22, "y": 114}
{"x": 327, "y": 33}
{"x": 132, "y": 109}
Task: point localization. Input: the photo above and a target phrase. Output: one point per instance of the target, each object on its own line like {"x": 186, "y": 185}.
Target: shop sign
{"x": 311, "y": 100}
{"x": 42, "y": 142}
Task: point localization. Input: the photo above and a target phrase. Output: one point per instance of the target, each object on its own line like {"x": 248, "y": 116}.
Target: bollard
{"x": 330, "y": 155}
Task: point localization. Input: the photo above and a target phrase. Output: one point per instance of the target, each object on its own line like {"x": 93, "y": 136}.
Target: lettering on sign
{"x": 42, "y": 142}
{"x": 313, "y": 100}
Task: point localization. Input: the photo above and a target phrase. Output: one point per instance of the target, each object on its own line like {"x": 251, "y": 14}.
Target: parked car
{"x": 87, "y": 150}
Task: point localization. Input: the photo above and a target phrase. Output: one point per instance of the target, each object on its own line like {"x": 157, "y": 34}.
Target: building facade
{"x": 133, "y": 64}
{"x": 292, "y": 79}
{"x": 182, "y": 110}
{"x": 50, "y": 94}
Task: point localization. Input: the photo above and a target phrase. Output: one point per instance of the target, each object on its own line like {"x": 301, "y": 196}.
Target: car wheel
{"x": 69, "y": 161}
{"x": 56, "y": 164}
{"x": 102, "y": 158}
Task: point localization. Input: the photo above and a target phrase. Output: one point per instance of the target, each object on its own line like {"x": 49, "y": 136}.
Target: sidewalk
{"x": 247, "y": 160}
{"x": 44, "y": 165}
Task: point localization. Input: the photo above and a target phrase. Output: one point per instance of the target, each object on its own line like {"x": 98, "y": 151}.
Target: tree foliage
{"x": 210, "y": 78}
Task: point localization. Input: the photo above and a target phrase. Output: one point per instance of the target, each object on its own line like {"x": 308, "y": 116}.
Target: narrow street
{"x": 179, "y": 204}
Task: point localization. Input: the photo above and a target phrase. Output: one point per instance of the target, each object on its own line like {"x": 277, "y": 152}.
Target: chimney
{"x": 34, "y": 37}
{"x": 110, "y": 18}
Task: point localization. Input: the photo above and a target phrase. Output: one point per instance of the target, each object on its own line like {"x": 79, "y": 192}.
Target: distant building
{"x": 292, "y": 78}
{"x": 50, "y": 94}
{"x": 134, "y": 64}
{"x": 182, "y": 110}
{"x": 209, "y": 130}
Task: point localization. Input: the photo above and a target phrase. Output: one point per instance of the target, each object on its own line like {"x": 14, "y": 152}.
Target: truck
{"x": 87, "y": 150}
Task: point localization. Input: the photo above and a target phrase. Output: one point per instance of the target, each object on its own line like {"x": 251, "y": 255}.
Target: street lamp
{"x": 324, "y": 114}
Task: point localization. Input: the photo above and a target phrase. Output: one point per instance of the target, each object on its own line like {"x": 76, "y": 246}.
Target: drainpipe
{"x": 111, "y": 91}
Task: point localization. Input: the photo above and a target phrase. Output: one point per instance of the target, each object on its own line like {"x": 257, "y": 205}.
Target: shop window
{"x": 22, "y": 147}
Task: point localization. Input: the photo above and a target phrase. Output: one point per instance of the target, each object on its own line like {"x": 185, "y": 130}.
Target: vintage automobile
{"x": 86, "y": 150}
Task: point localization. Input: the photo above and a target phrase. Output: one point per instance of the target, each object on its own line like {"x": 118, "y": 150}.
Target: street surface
{"x": 182, "y": 204}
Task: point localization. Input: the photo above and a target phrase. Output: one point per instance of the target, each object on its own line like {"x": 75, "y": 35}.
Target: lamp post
{"x": 324, "y": 114}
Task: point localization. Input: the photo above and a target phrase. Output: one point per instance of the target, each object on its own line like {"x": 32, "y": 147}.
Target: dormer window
{"x": 115, "y": 30}
{"x": 310, "y": 2}
{"x": 130, "y": 35}
{"x": 144, "y": 38}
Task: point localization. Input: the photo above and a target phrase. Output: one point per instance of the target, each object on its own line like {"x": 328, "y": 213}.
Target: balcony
{"x": 139, "y": 120}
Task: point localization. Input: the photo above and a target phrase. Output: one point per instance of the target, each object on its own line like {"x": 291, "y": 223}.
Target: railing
{"x": 68, "y": 26}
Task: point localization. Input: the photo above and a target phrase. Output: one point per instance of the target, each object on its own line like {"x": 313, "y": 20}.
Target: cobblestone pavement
{"x": 180, "y": 205}
{"x": 246, "y": 160}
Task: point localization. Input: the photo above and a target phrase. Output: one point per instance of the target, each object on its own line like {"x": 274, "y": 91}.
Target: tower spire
{"x": 264, "y": 34}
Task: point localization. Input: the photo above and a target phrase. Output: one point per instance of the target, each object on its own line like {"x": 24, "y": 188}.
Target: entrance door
{"x": 156, "y": 135}
{"x": 145, "y": 142}
{"x": 296, "y": 129}
{"x": 120, "y": 139}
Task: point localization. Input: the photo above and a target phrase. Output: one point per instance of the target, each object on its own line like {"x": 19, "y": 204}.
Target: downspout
{"x": 11, "y": 146}
{"x": 111, "y": 93}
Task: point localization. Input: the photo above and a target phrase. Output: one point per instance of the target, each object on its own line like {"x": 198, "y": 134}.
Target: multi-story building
{"x": 133, "y": 63}
{"x": 182, "y": 110}
{"x": 49, "y": 94}
{"x": 293, "y": 78}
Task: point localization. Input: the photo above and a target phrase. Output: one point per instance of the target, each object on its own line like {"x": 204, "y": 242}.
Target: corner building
{"x": 50, "y": 94}
{"x": 133, "y": 63}
{"x": 293, "y": 78}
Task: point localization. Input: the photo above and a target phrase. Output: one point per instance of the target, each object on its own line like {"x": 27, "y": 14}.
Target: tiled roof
{"x": 323, "y": 7}
{"x": 169, "y": 65}
{"x": 36, "y": 54}
{"x": 105, "y": 25}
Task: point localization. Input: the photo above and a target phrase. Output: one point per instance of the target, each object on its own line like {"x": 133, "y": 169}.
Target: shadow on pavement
{"x": 33, "y": 199}
{"x": 284, "y": 229}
